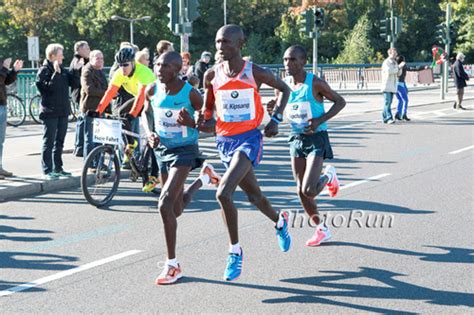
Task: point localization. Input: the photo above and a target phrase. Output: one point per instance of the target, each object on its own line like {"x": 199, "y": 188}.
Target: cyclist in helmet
{"x": 133, "y": 77}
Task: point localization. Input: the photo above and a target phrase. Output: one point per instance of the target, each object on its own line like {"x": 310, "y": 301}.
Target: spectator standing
{"x": 53, "y": 83}
{"x": 187, "y": 68}
{"x": 81, "y": 58}
{"x": 402, "y": 92}
{"x": 390, "y": 72}
{"x": 94, "y": 84}
{"x": 460, "y": 78}
{"x": 201, "y": 66}
{"x": 143, "y": 57}
{"x": 7, "y": 76}
{"x": 161, "y": 47}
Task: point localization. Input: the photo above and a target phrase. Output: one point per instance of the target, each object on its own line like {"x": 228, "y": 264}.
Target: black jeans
{"x": 54, "y": 132}
{"x": 89, "y": 144}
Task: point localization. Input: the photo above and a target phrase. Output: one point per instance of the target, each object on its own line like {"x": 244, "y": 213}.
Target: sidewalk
{"x": 23, "y": 146}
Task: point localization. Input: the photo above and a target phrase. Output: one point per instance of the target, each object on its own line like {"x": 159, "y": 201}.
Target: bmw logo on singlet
{"x": 169, "y": 114}
{"x": 234, "y": 94}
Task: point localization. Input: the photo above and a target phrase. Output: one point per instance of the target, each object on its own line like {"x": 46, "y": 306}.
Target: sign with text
{"x": 33, "y": 48}
{"x": 107, "y": 131}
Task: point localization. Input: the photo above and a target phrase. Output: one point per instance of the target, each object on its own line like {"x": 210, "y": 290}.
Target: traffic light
{"x": 173, "y": 16}
{"x": 192, "y": 10}
{"x": 441, "y": 33}
{"x": 306, "y": 21}
{"x": 453, "y": 26}
{"x": 398, "y": 25}
{"x": 385, "y": 28}
{"x": 319, "y": 17}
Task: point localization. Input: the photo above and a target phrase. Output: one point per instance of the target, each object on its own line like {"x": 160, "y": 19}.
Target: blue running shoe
{"x": 234, "y": 266}
{"x": 284, "y": 238}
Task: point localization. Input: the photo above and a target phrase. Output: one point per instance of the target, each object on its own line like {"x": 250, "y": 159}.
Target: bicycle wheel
{"x": 16, "y": 112}
{"x": 35, "y": 108}
{"x": 100, "y": 186}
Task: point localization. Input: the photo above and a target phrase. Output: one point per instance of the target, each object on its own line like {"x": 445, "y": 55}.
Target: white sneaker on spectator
{"x": 5, "y": 173}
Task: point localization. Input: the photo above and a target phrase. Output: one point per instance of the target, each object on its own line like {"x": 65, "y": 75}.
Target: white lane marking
{"x": 350, "y": 185}
{"x": 420, "y": 115}
{"x": 353, "y": 125}
{"x": 66, "y": 273}
{"x": 462, "y": 150}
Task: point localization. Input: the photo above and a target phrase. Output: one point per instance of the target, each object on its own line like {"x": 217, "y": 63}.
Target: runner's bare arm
{"x": 196, "y": 99}
{"x": 272, "y": 103}
{"x": 185, "y": 118}
{"x": 322, "y": 90}
{"x": 282, "y": 90}
{"x": 208, "y": 123}
{"x": 266, "y": 76}
{"x": 148, "y": 95}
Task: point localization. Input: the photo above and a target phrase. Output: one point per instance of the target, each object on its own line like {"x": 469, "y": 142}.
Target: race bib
{"x": 236, "y": 105}
{"x": 107, "y": 131}
{"x": 299, "y": 114}
{"x": 167, "y": 125}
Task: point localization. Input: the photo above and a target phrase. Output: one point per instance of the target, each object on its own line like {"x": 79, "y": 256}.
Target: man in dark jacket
{"x": 53, "y": 83}
{"x": 201, "y": 66}
{"x": 94, "y": 84}
{"x": 81, "y": 58}
{"x": 460, "y": 78}
{"x": 7, "y": 76}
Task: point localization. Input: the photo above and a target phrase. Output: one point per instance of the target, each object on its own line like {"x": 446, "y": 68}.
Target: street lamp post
{"x": 225, "y": 12}
{"x": 143, "y": 18}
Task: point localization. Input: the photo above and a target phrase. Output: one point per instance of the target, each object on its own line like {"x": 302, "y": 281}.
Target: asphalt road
{"x": 59, "y": 254}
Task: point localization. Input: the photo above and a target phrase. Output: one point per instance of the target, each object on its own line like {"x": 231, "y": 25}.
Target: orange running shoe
{"x": 321, "y": 235}
{"x": 208, "y": 169}
{"x": 333, "y": 185}
{"x": 169, "y": 275}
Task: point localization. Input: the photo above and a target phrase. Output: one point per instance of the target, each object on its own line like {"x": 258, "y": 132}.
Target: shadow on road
{"x": 37, "y": 261}
{"x": 337, "y": 285}
{"x": 449, "y": 255}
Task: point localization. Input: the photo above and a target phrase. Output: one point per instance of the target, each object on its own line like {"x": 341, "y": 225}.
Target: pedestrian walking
{"x": 460, "y": 78}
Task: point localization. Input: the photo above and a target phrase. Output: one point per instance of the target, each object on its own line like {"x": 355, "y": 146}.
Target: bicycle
{"x": 34, "y": 109}
{"x": 100, "y": 186}
{"x": 16, "y": 112}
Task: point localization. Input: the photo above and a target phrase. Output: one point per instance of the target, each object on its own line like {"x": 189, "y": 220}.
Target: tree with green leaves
{"x": 357, "y": 47}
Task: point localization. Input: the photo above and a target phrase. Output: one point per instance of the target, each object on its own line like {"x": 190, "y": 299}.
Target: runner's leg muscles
{"x": 310, "y": 184}
{"x": 190, "y": 191}
{"x": 251, "y": 188}
{"x": 171, "y": 191}
{"x": 238, "y": 169}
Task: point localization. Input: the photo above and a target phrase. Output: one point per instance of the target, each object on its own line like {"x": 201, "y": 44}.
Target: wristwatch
{"x": 278, "y": 118}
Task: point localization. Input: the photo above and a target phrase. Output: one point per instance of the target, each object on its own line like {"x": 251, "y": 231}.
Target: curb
{"x": 36, "y": 186}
